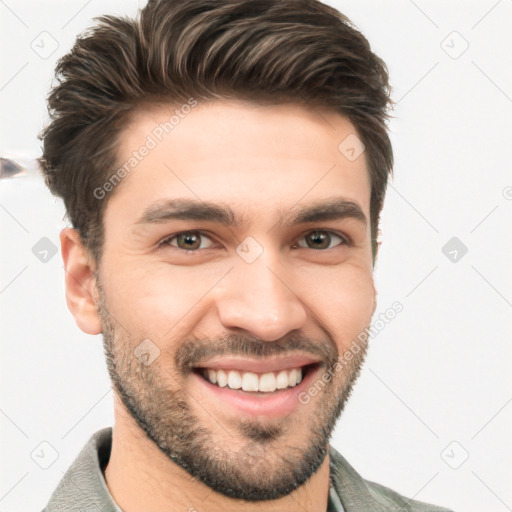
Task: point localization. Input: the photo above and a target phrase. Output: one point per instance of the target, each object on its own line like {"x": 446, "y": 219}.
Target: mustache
{"x": 195, "y": 352}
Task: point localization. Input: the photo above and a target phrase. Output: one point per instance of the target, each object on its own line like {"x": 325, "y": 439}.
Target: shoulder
{"x": 359, "y": 494}
{"x": 388, "y": 496}
{"x": 83, "y": 486}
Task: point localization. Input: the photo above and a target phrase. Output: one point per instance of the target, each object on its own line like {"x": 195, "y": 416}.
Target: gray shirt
{"x": 83, "y": 487}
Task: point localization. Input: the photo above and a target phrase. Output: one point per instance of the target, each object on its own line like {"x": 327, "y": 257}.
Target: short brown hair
{"x": 268, "y": 51}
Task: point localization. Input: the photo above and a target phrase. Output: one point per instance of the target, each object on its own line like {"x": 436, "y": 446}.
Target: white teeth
{"x": 267, "y": 382}
{"x": 282, "y": 380}
{"x": 249, "y": 381}
{"x": 222, "y": 378}
{"x": 234, "y": 379}
{"x": 294, "y": 377}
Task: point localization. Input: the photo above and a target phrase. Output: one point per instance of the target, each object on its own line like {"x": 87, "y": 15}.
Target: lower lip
{"x": 273, "y": 405}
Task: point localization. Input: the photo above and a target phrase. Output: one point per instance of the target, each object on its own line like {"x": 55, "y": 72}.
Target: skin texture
{"x": 175, "y": 445}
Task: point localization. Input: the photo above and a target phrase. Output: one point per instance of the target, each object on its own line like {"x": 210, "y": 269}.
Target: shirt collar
{"x": 94, "y": 458}
{"x": 334, "y": 502}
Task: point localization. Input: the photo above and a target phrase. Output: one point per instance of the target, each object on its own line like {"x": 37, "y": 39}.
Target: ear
{"x": 376, "y": 243}
{"x": 374, "y": 305}
{"x": 81, "y": 292}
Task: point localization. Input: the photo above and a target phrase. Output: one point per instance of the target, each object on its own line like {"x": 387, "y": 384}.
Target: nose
{"x": 260, "y": 298}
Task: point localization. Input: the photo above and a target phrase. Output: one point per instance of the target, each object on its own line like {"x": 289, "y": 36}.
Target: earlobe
{"x": 80, "y": 281}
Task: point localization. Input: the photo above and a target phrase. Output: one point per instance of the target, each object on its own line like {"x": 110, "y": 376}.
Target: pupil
{"x": 187, "y": 238}
{"x": 317, "y": 237}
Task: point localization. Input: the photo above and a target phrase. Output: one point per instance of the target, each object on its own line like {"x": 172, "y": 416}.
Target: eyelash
{"x": 345, "y": 240}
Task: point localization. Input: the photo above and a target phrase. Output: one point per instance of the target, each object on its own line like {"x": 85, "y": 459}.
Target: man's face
{"x": 262, "y": 303}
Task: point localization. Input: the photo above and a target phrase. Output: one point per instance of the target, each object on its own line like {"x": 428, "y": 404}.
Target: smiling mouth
{"x": 268, "y": 382}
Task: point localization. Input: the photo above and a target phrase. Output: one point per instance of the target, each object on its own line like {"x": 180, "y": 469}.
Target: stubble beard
{"x": 263, "y": 460}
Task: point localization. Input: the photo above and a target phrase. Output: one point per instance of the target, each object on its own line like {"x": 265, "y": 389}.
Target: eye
{"x": 321, "y": 239}
{"x": 192, "y": 240}
{"x": 187, "y": 241}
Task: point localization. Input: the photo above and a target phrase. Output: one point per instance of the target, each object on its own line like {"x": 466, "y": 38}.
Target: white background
{"x": 437, "y": 384}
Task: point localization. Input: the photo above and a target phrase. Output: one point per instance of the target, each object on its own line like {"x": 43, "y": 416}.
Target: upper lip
{"x": 258, "y": 365}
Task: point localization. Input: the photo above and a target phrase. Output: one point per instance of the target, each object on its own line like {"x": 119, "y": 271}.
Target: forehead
{"x": 238, "y": 153}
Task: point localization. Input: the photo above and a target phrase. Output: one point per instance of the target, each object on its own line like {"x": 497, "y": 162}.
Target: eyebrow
{"x": 191, "y": 209}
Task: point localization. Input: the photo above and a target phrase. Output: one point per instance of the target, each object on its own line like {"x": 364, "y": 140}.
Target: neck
{"x": 140, "y": 477}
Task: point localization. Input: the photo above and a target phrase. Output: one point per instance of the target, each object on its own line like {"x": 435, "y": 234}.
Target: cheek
{"x": 165, "y": 302}
{"x": 343, "y": 301}
{"x": 161, "y": 300}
